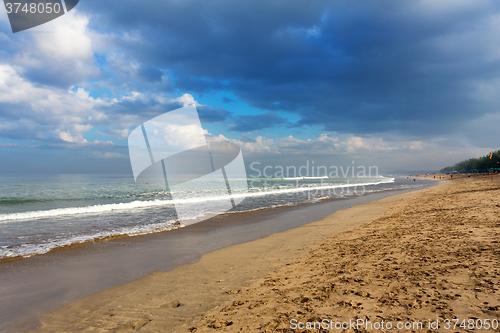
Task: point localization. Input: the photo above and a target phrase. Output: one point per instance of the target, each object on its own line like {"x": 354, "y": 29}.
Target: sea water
{"x": 39, "y": 213}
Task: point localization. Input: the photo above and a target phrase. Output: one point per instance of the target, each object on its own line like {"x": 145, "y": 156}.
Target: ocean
{"x": 39, "y": 213}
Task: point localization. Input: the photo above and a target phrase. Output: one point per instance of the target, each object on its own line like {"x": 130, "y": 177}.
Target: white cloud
{"x": 66, "y": 136}
{"x": 5, "y": 125}
{"x": 107, "y": 155}
{"x": 13, "y": 89}
{"x": 69, "y": 38}
{"x": 48, "y": 109}
{"x": 186, "y": 100}
{"x": 60, "y": 50}
{"x": 82, "y": 128}
{"x": 324, "y": 145}
{"x": 69, "y": 114}
{"x": 315, "y": 31}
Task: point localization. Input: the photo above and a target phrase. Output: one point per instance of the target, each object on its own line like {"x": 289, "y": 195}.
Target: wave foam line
{"x": 155, "y": 203}
{"x": 27, "y": 250}
{"x": 301, "y": 178}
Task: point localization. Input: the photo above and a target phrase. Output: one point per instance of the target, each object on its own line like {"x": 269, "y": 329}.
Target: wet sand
{"x": 426, "y": 255}
{"x": 408, "y": 256}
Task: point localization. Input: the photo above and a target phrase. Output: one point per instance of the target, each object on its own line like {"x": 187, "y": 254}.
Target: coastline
{"x": 43, "y": 283}
{"x": 61, "y": 246}
{"x": 177, "y": 299}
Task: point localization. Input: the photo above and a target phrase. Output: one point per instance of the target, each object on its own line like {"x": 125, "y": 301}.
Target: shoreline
{"x": 224, "y": 272}
{"x": 174, "y": 226}
{"x": 85, "y": 243}
{"x": 40, "y": 284}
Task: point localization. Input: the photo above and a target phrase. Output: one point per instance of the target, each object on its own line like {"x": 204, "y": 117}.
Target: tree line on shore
{"x": 481, "y": 164}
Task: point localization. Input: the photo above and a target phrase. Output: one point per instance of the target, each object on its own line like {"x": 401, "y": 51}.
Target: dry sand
{"x": 412, "y": 257}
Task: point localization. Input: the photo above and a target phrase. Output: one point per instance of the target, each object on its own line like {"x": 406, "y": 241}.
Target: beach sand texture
{"x": 425, "y": 255}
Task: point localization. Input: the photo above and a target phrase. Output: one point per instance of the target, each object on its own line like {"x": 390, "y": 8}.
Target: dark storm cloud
{"x": 150, "y": 73}
{"x": 212, "y": 115}
{"x": 258, "y": 122}
{"x": 349, "y": 66}
{"x": 147, "y": 107}
{"x": 57, "y": 77}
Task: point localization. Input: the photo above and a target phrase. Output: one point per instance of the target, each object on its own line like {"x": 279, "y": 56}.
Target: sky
{"x": 401, "y": 85}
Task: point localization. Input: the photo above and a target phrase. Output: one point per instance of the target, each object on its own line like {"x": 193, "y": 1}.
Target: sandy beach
{"x": 249, "y": 166}
{"x": 415, "y": 257}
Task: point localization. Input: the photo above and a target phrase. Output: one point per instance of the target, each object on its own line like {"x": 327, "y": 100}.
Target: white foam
{"x": 81, "y": 210}
{"x": 300, "y": 178}
{"x": 96, "y": 209}
{"x": 26, "y": 250}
